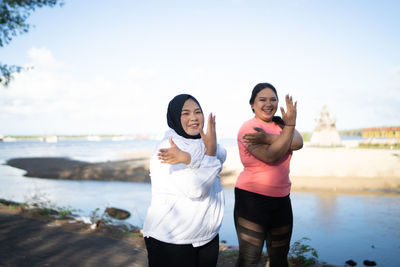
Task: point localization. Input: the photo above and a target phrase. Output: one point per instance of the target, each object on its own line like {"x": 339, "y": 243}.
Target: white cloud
{"x": 50, "y": 99}
{"x": 46, "y": 94}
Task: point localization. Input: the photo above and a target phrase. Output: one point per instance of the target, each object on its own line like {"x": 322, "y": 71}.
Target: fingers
{"x": 165, "y": 156}
{"x": 202, "y": 134}
{"x": 283, "y": 112}
{"x": 162, "y": 154}
{"x": 210, "y": 127}
{"x": 260, "y": 130}
{"x": 211, "y": 123}
{"x": 289, "y": 102}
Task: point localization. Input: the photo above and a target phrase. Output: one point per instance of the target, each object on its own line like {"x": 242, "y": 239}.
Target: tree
{"x": 13, "y": 16}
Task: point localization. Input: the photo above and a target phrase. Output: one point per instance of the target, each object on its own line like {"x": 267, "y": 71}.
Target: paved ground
{"x": 28, "y": 242}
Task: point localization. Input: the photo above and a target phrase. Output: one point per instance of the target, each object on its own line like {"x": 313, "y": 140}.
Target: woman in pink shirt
{"x": 263, "y": 211}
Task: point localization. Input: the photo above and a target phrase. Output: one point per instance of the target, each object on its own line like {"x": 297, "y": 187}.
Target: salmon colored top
{"x": 269, "y": 179}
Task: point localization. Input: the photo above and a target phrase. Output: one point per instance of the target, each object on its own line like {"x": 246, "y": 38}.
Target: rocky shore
{"x": 133, "y": 170}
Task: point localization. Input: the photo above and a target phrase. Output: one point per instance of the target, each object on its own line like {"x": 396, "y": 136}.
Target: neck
{"x": 263, "y": 121}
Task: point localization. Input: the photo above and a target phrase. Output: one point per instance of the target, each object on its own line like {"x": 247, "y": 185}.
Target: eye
{"x": 199, "y": 112}
{"x": 184, "y": 113}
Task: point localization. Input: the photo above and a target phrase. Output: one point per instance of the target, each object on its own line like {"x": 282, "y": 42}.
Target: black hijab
{"x": 174, "y": 115}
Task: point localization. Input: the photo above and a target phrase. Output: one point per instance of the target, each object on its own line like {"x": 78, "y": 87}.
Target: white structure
{"x": 9, "y": 139}
{"x": 94, "y": 138}
{"x": 50, "y": 139}
{"x": 325, "y": 133}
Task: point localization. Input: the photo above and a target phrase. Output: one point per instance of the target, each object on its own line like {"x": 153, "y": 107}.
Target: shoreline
{"x": 344, "y": 169}
{"x": 341, "y": 169}
{"x": 37, "y": 228}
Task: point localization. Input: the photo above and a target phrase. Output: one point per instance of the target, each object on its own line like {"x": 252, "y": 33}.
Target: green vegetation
{"x": 230, "y": 254}
{"x": 13, "y": 16}
{"x": 395, "y": 145}
{"x": 96, "y": 217}
{"x": 43, "y": 206}
{"x": 352, "y": 132}
{"x": 65, "y": 212}
{"x": 302, "y": 255}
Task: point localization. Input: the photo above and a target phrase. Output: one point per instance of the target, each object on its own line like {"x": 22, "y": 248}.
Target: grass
{"x": 380, "y": 145}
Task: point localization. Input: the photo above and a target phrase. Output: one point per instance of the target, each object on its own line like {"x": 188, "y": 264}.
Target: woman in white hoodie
{"x": 182, "y": 224}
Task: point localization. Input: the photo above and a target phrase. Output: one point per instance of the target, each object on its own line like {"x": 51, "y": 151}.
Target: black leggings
{"x": 161, "y": 254}
{"x": 260, "y": 218}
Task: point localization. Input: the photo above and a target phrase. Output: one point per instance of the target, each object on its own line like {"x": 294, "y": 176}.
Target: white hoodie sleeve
{"x": 196, "y": 182}
{"x": 193, "y": 180}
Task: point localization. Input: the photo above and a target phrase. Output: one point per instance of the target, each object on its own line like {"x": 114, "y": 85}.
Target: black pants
{"x": 262, "y": 219}
{"x": 161, "y": 254}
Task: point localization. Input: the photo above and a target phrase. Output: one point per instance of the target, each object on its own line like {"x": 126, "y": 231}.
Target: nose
{"x": 193, "y": 117}
{"x": 268, "y": 103}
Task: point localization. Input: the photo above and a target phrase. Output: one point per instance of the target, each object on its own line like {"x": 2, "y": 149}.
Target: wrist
{"x": 188, "y": 158}
{"x": 211, "y": 153}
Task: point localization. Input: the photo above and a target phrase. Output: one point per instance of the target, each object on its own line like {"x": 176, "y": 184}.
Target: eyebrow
{"x": 189, "y": 109}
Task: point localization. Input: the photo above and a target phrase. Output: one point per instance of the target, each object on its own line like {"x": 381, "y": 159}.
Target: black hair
{"x": 259, "y": 87}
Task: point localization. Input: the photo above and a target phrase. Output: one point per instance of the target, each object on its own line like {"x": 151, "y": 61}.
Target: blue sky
{"x": 102, "y": 68}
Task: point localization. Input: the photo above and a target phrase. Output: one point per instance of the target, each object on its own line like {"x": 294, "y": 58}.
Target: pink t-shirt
{"x": 269, "y": 179}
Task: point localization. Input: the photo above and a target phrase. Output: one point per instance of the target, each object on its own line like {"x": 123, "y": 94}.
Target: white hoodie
{"x": 187, "y": 204}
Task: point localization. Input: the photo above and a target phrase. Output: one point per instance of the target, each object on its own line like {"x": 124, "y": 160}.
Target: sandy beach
{"x": 339, "y": 169}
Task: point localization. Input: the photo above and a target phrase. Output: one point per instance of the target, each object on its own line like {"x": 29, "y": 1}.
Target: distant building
{"x": 381, "y": 132}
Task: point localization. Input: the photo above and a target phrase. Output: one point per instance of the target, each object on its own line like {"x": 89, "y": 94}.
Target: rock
{"x": 117, "y": 213}
{"x": 351, "y": 263}
{"x": 369, "y": 263}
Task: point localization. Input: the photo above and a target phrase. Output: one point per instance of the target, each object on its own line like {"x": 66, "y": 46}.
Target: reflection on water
{"x": 341, "y": 227}
{"x": 346, "y": 227}
{"x": 326, "y": 207}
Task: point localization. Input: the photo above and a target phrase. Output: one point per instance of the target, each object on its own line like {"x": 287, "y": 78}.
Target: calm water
{"x": 341, "y": 227}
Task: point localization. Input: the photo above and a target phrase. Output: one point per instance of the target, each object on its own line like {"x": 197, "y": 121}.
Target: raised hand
{"x": 289, "y": 117}
{"x": 260, "y": 137}
{"x": 210, "y": 138}
{"x": 173, "y": 155}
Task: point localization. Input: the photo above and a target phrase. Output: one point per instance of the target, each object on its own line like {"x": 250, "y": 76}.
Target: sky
{"x": 102, "y": 67}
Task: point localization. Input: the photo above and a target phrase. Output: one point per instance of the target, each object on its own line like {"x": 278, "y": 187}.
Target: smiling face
{"x": 192, "y": 118}
{"x": 265, "y": 105}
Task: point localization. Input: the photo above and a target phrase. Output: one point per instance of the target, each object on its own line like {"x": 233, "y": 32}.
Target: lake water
{"x": 341, "y": 226}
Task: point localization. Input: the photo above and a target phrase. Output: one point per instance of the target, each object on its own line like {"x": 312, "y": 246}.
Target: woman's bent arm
{"x": 275, "y": 151}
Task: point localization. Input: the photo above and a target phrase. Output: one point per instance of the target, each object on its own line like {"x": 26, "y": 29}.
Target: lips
{"x": 193, "y": 125}
{"x": 269, "y": 110}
